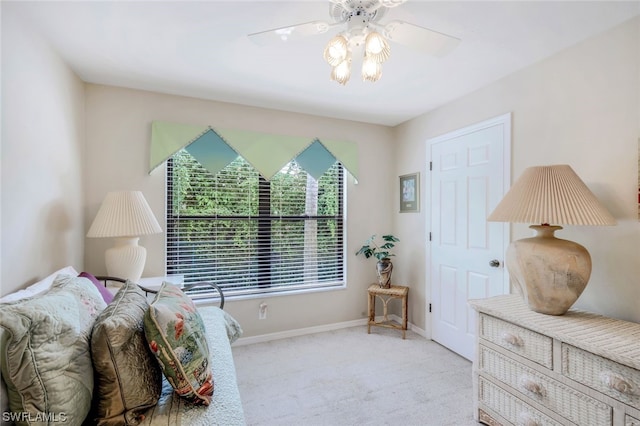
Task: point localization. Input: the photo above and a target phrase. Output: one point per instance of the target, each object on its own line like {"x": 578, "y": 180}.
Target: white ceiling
{"x": 200, "y": 49}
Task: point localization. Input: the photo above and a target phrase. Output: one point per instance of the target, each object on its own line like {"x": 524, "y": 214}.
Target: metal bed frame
{"x": 105, "y": 278}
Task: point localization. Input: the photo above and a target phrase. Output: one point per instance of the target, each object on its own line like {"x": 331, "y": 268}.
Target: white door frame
{"x": 505, "y": 120}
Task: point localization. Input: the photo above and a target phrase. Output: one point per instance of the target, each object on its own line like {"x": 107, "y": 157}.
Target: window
{"x": 252, "y": 236}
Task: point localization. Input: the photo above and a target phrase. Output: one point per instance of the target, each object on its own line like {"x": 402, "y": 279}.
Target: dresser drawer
{"x": 529, "y": 344}
{"x": 511, "y": 408}
{"x": 567, "y": 402}
{"x": 609, "y": 377}
{"x": 631, "y": 421}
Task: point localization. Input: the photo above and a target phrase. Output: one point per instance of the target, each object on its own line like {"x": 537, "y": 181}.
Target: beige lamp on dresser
{"x": 550, "y": 272}
{"x": 124, "y": 216}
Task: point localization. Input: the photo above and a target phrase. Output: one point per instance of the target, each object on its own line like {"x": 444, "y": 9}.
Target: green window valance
{"x": 214, "y": 148}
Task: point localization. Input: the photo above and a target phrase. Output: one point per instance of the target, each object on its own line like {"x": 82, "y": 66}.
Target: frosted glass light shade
{"x": 336, "y": 50}
{"x": 342, "y": 72}
{"x": 337, "y": 53}
{"x": 551, "y": 273}
{"x": 371, "y": 69}
{"x": 125, "y": 215}
{"x": 376, "y": 47}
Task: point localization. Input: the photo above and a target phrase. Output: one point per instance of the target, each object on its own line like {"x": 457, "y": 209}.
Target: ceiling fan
{"x": 361, "y": 27}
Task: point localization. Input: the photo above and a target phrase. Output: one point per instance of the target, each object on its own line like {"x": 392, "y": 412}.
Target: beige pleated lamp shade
{"x": 124, "y": 214}
{"x": 551, "y": 195}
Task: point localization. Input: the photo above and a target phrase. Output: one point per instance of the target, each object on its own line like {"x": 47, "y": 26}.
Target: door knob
{"x": 494, "y": 263}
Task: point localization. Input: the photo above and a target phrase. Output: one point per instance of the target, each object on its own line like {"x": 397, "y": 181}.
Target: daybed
{"x": 67, "y": 356}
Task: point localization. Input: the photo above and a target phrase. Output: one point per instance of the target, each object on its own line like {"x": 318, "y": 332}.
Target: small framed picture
{"x": 410, "y": 193}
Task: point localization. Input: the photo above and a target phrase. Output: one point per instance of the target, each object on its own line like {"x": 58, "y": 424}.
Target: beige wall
{"x": 580, "y": 107}
{"x": 118, "y": 134}
{"x": 42, "y": 143}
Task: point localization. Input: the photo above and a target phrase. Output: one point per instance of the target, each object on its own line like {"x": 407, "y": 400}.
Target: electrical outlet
{"x": 262, "y": 311}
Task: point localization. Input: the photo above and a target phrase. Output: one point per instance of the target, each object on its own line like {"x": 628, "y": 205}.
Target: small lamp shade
{"x": 125, "y": 216}
{"x": 551, "y": 273}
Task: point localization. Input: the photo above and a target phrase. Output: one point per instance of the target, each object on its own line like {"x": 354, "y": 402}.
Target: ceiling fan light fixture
{"x": 376, "y": 47}
{"x": 336, "y": 50}
{"x": 342, "y": 72}
{"x": 371, "y": 69}
{"x": 362, "y": 30}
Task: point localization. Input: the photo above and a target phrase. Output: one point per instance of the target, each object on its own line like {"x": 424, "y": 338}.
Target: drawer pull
{"x": 512, "y": 340}
{"x": 617, "y": 383}
{"x": 533, "y": 387}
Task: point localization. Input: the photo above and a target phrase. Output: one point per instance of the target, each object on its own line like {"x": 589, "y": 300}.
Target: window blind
{"x": 252, "y": 236}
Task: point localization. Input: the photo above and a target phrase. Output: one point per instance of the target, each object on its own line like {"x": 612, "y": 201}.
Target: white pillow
{"x": 39, "y": 287}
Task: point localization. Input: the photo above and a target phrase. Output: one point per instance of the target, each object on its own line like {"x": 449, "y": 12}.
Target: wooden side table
{"x": 386, "y": 294}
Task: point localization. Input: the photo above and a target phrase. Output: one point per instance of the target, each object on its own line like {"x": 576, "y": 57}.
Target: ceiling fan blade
{"x": 337, "y": 11}
{"x": 354, "y": 3}
{"x": 420, "y": 38}
{"x": 392, "y": 3}
{"x": 291, "y": 32}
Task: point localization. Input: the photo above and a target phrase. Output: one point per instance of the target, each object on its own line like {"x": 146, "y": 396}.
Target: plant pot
{"x": 384, "y": 268}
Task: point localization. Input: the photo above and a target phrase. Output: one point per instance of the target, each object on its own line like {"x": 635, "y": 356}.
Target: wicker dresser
{"x": 535, "y": 369}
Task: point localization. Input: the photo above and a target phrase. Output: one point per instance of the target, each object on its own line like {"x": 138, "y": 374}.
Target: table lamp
{"x": 125, "y": 216}
{"x": 550, "y": 272}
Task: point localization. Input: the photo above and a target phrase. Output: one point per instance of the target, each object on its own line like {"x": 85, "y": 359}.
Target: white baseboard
{"x": 318, "y": 329}
{"x": 298, "y": 332}
{"x": 410, "y": 326}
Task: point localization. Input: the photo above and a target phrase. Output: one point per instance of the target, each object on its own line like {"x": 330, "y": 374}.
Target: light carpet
{"x": 349, "y": 377}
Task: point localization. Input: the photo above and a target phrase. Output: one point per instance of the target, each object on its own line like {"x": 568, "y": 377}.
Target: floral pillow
{"x": 176, "y": 336}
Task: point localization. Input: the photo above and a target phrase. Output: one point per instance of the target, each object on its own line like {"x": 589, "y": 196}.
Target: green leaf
{"x": 371, "y": 249}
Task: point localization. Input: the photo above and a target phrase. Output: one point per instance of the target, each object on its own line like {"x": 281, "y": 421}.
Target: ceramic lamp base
{"x": 126, "y": 259}
{"x": 550, "y": 272}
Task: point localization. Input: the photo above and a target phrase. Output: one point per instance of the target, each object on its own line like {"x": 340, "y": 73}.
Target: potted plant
{"x": 382, "y": 252}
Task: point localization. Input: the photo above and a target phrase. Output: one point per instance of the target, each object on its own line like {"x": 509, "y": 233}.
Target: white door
{"x": 470, "y": 173}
